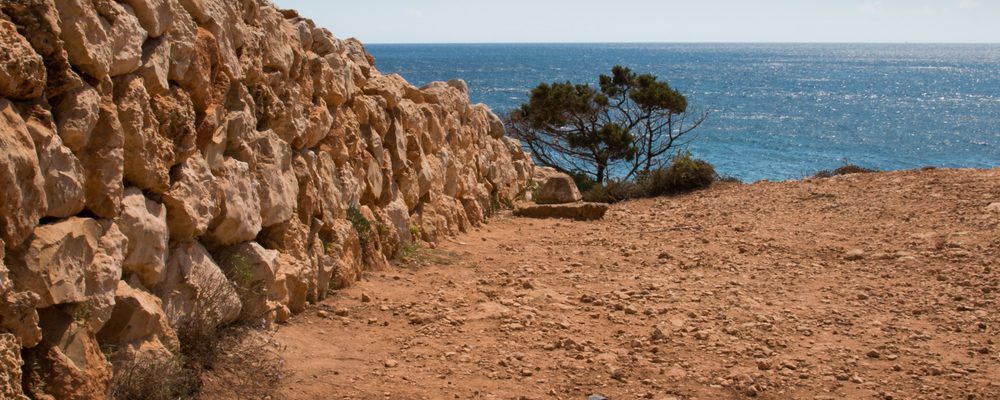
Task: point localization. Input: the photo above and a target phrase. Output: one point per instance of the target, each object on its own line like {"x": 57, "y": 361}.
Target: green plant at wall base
{"x": 361, "y": 226}
{"x": 82, "y": 312}
{"x": 415, "y": 232}
{"x": 382, "y": 229}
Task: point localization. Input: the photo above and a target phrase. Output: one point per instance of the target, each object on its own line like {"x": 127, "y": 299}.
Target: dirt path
{"x": 866, "y": 286}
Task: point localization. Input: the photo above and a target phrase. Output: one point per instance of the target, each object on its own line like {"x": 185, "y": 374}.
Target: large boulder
{"x": 252, "y": 269}
{"x": 192, "y": 201}
{"x": 144, "y": 222}
{"x": 137, "y": 316}
{"x": 76, "y": 112}
{"x": 68, "y": 363}
{"x": 155, "y": 16}
{"x": 103, "y": 161}
{"x": 22, "y": 72}
{"x": 151, "y": 155}
{"x": 55, "y": 260}
{"x": 23, "y": 202}
{"x": 195, "y": 290}
{"x": 559, "y": 189}
{"x": 240, "y": 217}
{"x": 60, "y": 168}
{"x": 101, "y": 37}
{"x": 76, "y": 263}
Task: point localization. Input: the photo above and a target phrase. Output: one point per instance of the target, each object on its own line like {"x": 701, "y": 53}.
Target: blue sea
{"x": 778, "y": 111}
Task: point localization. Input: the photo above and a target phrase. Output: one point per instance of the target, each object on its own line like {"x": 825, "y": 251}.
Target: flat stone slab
{"x": 575, "y": 211}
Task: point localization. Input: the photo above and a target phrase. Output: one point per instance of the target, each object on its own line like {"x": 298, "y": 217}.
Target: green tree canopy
{"x": 629, "y": 124}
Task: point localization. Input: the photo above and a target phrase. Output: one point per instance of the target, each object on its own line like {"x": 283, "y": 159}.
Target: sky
{"x": 549, "y": 21}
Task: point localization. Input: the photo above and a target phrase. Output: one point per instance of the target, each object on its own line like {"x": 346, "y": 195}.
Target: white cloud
{"x": 968, "y": 4}
{"x": 415, "y": 13}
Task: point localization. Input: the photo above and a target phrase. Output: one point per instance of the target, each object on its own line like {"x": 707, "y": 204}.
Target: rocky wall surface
{"x": 161, "y": 158}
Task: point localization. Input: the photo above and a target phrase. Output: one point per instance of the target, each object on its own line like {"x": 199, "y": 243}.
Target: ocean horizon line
{"x": 682, "y": 43}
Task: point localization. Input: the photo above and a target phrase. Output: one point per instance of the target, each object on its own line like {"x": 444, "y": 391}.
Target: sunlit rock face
{"x": 159, "y": 155}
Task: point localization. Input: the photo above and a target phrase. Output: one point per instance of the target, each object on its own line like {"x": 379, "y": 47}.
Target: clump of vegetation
{"x": 844, "y": 170}
{"x": 151, "y": 377}
{"x": 361, "y": 225}
{"x": 684, "y": 174}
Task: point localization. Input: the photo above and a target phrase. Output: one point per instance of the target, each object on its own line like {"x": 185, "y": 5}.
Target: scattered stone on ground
{"x": 732, "y": 292}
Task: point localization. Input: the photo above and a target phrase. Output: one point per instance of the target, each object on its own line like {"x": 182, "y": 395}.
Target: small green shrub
{"x": 584, "y": 181}
{"x": 684, "y": 174}
{"x": 361, "y": 226}
{"x": 844, "y": 170}
{"x": 415, "y": 232}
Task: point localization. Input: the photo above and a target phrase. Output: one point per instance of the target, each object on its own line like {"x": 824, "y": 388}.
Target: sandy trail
{"x": 865, "y": 286}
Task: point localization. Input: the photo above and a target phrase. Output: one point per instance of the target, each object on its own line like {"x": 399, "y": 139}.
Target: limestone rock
{"x": 252, "y": 269}
{"x": 102, "y": 276}
{"x": 144, "y": 223}
{"x": 10, "y": 368}
{"x": 278, "y": 186}
{"x": 103, "y": 161}
{"x": 17, "y": 309}
{"x": 138, "y": 315}
{"x": 240, "y": 215}
{"x": 22, "y": 72}
{"x": 559, "y": 189}
{"x": 150, "y": 154}
{"x": 55, "y": 261}
{"x": 60, "y": 168}
{"x": 390, "y": 87}
{"x": 76, "y": 113}
{"x": 575, "y": 211}
{"x": 196, "y": 289}
{"x": 192, "y": 201}
{"x": 68, "y": 363}
{"x": 23, "y": 202}
{"x": 155, "y": 16}
{"x": 101, "y": 37}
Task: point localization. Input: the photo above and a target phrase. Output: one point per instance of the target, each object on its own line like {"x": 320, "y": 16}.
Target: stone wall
{"x": 161, "y": 158}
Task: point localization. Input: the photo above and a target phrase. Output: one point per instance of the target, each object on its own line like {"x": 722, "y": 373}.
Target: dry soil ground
{"x": 865, "y": 286}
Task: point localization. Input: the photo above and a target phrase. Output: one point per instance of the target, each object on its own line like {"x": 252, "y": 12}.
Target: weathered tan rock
{"x": 60, "y": 168}
{"x": 155, "y": 16}
{"x": 103, "y": 161}
{"x": 55, "y": 260}
{"x": 137, "y": 316}
{"x": 240, "y": 215}
{"x": 17, "y": 309}
{"x": 23, "y": 202}
{"x": 68, "y": 363}
{"x": 195, "y": 288}
{"x": 252, "y": 269}
{"x": 150, "y": 154}
{"x": 101, "y": 37}
{"x": 10, "y": 368}
{"x": 278, "y": 186}
{"x": 558, "y": 189}
{"x": 76, "y": 113}
{"x": 574, "y": 211}
{"x": 193, "y": 199}
{"x": 22, "y": 72}
{"x": 103, "y": 275}
{"x": 144, "y": 223}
